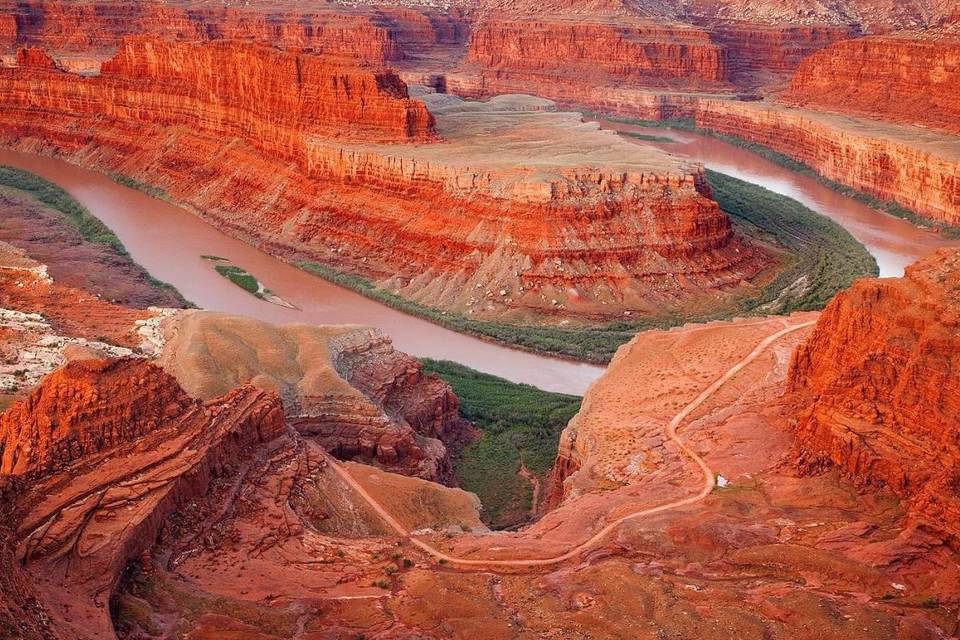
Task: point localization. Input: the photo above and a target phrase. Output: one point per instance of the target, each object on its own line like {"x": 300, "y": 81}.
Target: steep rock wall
{"x": 878, "y": 388}
{"x": 912, "y": 167}
{"x": 762, "y": 55}
{"x": 899, "y": 78}
{"x": 97, "y": 26}
{"x": 600, "y": 236}
{"x": 101, "y": 501}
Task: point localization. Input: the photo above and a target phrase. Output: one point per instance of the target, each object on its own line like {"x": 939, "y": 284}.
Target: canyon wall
{"x": 878, "y": 389}
{"x": 641, "y": 53}
{"x": 911, "y": 167}
{"x": 760, "y": 56}
{"x": 56, "y": 25}
{"x": 905, "y": 79}
{"x": 103, "y": 463}
{"x": 481, "y": 223}
{"x": 270, "y": 98}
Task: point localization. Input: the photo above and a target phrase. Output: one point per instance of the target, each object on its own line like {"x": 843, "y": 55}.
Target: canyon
{"x": 498, "y": 247}
{"x": 169, "y": 471}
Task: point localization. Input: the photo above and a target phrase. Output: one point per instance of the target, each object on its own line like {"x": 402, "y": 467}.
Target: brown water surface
{"x": 169, "y": 242}
{"x": 894, "y": 242}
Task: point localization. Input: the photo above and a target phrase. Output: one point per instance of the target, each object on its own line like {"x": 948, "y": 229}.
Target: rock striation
{"x": 346, "y": 388}
{"x": 761, "y": 56}
{"x": 105, "y": 451}
{"x": 913, "y": 167}
{"x": 903, "y": 78}
{"x": 878, "y": 392}
{"x": 518, "y": 214}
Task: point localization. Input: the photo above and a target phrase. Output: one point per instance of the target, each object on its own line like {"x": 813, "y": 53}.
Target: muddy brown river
{"x": 169, "y": 242}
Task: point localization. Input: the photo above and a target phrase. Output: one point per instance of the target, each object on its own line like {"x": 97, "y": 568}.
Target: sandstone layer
{"x": 104, "y": 477}
{"x": 345, "y": 387}
{"x": 878, "y": 390}
{"x": 905, "y": 79}
{"x": 911, "y": 166}
{"x": 518, "y": 214}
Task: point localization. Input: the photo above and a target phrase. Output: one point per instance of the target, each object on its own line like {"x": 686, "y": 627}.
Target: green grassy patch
{"x": 133, "y": 183}
{"x": 240, "y": 277}
{"x": 516, "y": 420}
{"x": 646, "y": 137}
{"x": 823, "y": 258}
{"x": 89, "y": 226}
{"x": 213, "y": 258}
{"x": 806, "y": 237}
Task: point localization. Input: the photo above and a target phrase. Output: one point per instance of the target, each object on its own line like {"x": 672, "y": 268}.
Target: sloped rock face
{"x": 879, "y": 392}
{"x": 87, "y": 406}
{"x": 906, "y": 165}
{"x": 361, "y": 36}
{"x": 899, "y": 78}
{"x": 347, "y": 388}
{"x": 645, "y": 54}
{"x": 222, "y": 89}
{"x": 607, "y": 65}
{"x": 759, "y": 56}
{"x": 109, "y": 450}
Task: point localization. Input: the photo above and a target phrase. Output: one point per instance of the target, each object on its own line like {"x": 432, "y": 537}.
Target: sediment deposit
{"x": 877, "y": 388}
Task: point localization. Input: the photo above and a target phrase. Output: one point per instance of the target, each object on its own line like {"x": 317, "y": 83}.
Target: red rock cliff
{"x": 900, "y": 78}
{"x": 93, "y": 27}
{"x": 274, "y": 147}
{"x": 110, "y": 449}
{"x": 878, "y": 386}
{"x": 906, "y": 165}
{"x": 760, "y": 55}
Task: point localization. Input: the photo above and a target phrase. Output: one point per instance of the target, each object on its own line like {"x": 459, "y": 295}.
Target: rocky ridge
{"x": 903, "y": 78}
{"x": 876, "y": 387}
{"x": 343, "y": 387}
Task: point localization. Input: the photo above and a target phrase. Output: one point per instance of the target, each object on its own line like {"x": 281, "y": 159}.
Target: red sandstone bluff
{"x": 878, "y": 383}
{"x": 517, "y": 213}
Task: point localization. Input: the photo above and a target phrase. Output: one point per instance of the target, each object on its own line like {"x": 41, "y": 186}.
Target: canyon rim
{"x": 396, "y": 319}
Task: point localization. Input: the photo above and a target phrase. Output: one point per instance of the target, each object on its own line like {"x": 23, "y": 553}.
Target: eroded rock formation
{"x": 515, "y": 215}
{"x": 908, "y": 79}
{"x": 345, "y": 387}
{"x": 910, "y": 166}
{"x": 879, "y": 392}
{"x": 109, "y": 449}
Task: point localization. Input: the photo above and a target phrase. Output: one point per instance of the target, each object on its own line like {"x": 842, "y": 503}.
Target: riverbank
{"x": 520, "y": 428}
{"x": 35, "y": 203}
{"x": 689, "y": 124}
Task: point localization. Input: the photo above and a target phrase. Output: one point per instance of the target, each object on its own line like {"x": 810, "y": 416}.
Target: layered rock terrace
{"x": 517, "y": 211}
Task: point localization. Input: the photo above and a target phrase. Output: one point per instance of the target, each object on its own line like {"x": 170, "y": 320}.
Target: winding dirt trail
{"x": 709, "y": 480}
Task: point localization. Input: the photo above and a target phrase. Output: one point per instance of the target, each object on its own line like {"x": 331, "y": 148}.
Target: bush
{"x": 516, "y": 420}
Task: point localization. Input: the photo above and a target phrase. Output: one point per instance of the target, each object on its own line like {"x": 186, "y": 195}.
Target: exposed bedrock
{"x": 878, "y": 388}
{"x": 346, "y": 387}
{"x": 762, "y": 56}
{"x": 518, "y": 213}
{"x": 102, "y": 453}
{"x": 913, "y": 167}
{"x": 902, "y": 78}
